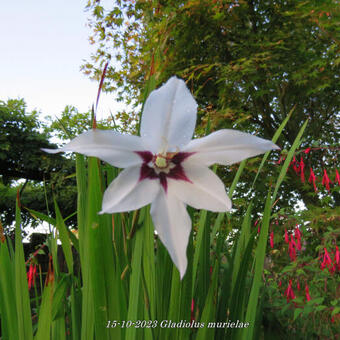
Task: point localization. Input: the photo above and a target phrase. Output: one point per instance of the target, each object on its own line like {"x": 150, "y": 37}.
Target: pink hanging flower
{"x": 307, "y": 292}
{"x": 272, "y": 239}
{"x": 297, "y": 233}
{"x": 286, "y": 236}
{"x": 302, "y": 169}
{"x": 289, "y": 293}
{"x": 258, "y": 226}
{"x": 337, "y": 177}
{"x": 337, "y": 255}
{"x": 295, "y": 165}
{"x": 327, "y": 262}
{"x": 292, "y": 249}
{"x": 336, "y": 260}
{"x": 32, "y": 272}
{"x": 325, "y": 180}
{"x": 306, "y": 151}
{"x": 279, "y": 160}
{"x": 192, "y": 317}
{"x": 332, "y": 269}
{"x": 312, "y": 178}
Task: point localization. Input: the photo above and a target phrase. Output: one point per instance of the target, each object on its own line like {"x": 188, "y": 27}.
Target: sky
{"x": 43, "y": 44}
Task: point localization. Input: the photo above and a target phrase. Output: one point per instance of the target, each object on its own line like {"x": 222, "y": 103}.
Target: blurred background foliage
{"x": 248, "y": 63}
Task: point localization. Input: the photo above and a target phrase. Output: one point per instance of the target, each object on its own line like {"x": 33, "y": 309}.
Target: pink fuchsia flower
{"x": 279, "y": 160}
{"x": 306, "y": 151}
{"x": 307, "y": 292}
{"x": 289, "y": 293}
{"x": 297, "y": 234}
{"x": 337, "y": 177}
{"x": 31, "y": 274}
{"x": 312, "y": 178}
{"x": 292, "y": 249}
{"x": 272, "y": 239}
{"x": 302, "y": 170}
{"x": 337, "y": 255}
{"x": 286, "y": 236}
{"x": 332, "y": 269}
{"x": 258, "y": 225}
{"x": 336, "y": 261}
{"x": 165, "y": 167}
{"x": 295, "y": 165}
{"x": 327, "y": 262}
{"x": 192, "y": 310}
{"x": 325, "y": 180}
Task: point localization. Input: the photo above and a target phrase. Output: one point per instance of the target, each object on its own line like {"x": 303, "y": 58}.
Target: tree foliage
{"x": 249, "y": 63}
{"x": 22, "y": 135}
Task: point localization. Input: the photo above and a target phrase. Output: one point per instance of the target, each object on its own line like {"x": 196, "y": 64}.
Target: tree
{"x": 22, "y": 136}
{"x": 249, "y": 64}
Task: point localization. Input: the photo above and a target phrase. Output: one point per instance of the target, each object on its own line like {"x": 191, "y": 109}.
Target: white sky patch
{"x": 42, "y": 228}
{"x": 43, "y": 44}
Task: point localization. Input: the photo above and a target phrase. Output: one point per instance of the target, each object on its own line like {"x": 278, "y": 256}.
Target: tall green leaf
{"x": 21, "y": 287}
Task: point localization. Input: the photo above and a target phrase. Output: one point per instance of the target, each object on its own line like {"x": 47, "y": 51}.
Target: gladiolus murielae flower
{"x": 165, "y": 167}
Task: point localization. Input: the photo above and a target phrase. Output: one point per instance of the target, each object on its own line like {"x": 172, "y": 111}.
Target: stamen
{"x": 164, "y": 147}
{"x": 161, "y": 161}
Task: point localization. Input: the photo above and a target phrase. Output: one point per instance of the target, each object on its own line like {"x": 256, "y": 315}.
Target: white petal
{"x": 206, "y": 191}
{"x": 169, "y": 116}
{"x": 173, "y": 225}
{"x": 227, "y": 147}
{"x": 127, "y": 193}
{"x": 110, "y": 146}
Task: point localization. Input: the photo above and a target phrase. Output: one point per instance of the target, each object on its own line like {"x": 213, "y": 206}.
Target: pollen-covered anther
{"x": 162, "y": 162}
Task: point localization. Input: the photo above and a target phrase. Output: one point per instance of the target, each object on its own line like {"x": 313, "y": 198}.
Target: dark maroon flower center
{"x": 173, "y": 169}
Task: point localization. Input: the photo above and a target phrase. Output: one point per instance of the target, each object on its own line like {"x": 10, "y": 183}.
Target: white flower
{"x": 165, "y": 167}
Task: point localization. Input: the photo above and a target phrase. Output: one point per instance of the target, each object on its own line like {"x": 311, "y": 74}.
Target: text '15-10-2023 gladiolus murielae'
{"x": 165, "y": 167}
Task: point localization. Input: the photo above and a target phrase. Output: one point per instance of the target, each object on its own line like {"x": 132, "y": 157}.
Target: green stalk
{"x": 87, "y": 313}
{"x": 8, "y": 311}
{"x": 64, "y": 238}
{"x": 21, "y": 288}
{"x": 135, "y": 284}
{"x": 209, "y": 311}
{"x": 45, "y": 313}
